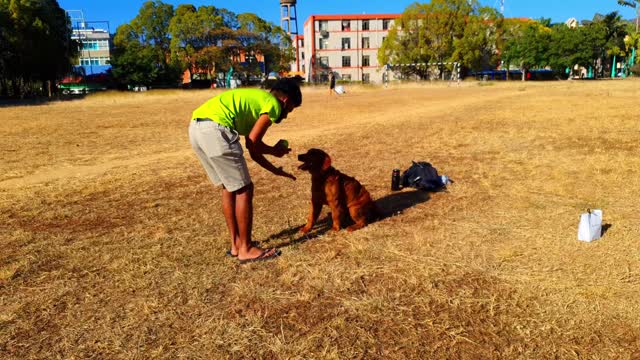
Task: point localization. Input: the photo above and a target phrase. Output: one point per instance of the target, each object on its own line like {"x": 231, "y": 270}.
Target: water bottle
{"x": 395, "y": 180}
{"x": 445, "y": 180}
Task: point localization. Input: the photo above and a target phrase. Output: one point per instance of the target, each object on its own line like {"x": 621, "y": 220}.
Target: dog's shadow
{"x": 397, "y": 202}
{"x": 390, "y": 205}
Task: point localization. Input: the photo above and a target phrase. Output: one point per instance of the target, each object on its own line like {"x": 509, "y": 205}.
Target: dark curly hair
{"x": 289, "y": 87}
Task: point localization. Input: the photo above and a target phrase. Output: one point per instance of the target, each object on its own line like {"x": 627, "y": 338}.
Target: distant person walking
{"x": 214, "y": 132}
{"x": 332, "y": 83}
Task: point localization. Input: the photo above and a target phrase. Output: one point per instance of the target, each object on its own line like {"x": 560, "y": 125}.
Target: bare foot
{"x": 255, "y": 253}
{"x": 269, "y": 254}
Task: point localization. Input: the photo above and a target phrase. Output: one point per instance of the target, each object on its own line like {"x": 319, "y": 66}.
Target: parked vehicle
{"x": 78, "y": 85}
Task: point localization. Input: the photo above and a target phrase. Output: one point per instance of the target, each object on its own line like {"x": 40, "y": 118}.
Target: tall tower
{"x": 288, "y": 18}
{"x": 501, "y": 6}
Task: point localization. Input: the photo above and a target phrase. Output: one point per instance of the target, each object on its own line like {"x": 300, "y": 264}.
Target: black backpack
{"x": 422, "y": 175}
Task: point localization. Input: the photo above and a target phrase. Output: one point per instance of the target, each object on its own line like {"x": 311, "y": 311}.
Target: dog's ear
{"x": 327, "y": 162}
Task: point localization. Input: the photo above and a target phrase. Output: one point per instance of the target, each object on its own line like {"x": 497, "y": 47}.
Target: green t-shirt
{"x": 239, "y": 109}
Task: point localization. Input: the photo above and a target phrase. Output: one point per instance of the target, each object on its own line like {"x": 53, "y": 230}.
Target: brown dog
{"x": 341, "y": 192}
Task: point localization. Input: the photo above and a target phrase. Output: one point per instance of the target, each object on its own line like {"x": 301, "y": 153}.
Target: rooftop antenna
{"x": 77, "y": 19}
{"x": 288, "y": 17}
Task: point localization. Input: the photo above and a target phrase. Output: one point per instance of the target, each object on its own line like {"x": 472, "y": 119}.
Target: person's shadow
{"x": 390, "y": 205}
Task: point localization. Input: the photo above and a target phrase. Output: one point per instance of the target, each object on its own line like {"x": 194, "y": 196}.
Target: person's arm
{"x": 257, "y": 148}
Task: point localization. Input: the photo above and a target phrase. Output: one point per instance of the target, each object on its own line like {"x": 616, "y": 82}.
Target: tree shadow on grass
{"x": 389, "y": 205}
{"x": 37, "y": 101}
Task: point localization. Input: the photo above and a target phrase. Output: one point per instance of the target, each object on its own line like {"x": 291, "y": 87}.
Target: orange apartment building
{"x": 344, "y": 44}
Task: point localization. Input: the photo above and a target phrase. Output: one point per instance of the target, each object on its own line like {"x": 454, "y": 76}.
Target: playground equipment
{"x": 229, "y": 78}
{"x": 629, "y": 63}
{"x": 626, "y": 65}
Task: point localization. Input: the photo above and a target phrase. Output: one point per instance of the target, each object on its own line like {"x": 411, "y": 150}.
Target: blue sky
{"x": 118, "y": 12}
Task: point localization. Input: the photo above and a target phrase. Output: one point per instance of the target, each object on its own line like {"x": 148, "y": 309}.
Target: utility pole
{"x": 633, "y": 4}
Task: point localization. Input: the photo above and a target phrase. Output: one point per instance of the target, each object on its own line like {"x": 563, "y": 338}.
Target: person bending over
{"x": 214, "y": 132}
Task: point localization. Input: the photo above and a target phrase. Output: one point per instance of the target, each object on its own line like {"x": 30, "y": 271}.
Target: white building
{"x": 95, "y": 48}
{"x": 345, "y": 44}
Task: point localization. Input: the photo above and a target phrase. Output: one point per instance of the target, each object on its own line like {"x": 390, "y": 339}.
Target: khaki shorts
{"x": 218, "y": 149}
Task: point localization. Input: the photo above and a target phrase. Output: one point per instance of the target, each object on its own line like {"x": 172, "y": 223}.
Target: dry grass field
{"x": 112, "y": 240}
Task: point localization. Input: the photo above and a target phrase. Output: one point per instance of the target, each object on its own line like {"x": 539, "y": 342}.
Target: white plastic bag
{"x": 590, "y": 227}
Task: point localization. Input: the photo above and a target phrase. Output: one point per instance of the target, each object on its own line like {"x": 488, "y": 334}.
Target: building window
{"x": 324, "y": 43}
{"x": 301, "y": 42}
{"x": 346, "y": 43}
{"x": 365, "y": 24}
{"x": 385, "y": 24}
{"x": 346, "y": 61}
{"x": 383, "y": 39}
{"x": 91, "y": 45}
{"x": 346, "y": 25}
{"x": 324, "y": 61}
{"x": 323, "y": 25}
{"x": 365, "y": 78}
{"x": 365, "y": 43}
{"x": 88, "y": 45}
{"x": 345, "y": 77}
{"x": 102, "y": 60}
{"x": 365, "y": 60}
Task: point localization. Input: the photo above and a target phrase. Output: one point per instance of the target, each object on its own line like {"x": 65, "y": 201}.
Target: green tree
{"x": 36, "y": 48}
{"x": 427, "y": 33}
{"x": 529, "y": 48}
{"x": 632, "y": 42}
{"x": 7, "y": 51}
{"x": 612, "y": 31}
{"x": 133, "y": 63}
{"x": 478, "y": 47}
{"x": 213, "y": 39}
{"x": 580, "y": 46}
{"x": 258, "y": 36}
{"x": 160, "y": 43}
{"x": 142, "y": 53}
{"x": 197, "y": 34}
